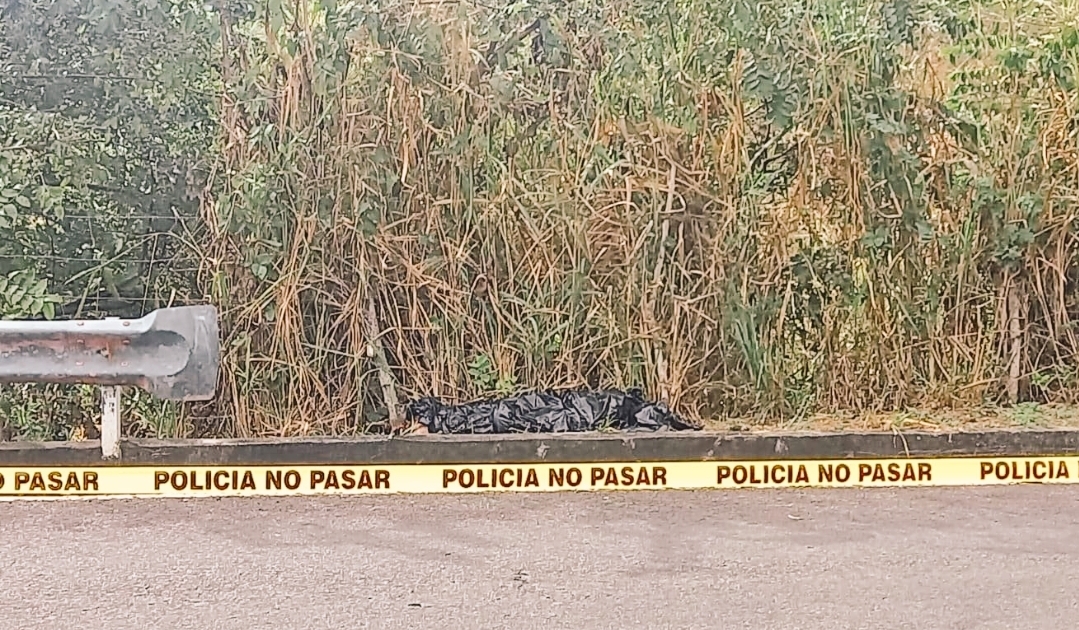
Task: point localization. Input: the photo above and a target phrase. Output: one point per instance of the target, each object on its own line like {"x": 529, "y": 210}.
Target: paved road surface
{"x": 843, "y": 559}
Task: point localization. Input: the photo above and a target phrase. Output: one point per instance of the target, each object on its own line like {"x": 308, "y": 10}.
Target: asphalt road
{"x": 803, "y": 560}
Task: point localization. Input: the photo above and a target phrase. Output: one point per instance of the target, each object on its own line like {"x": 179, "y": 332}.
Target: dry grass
{"x": 781, "y": 214}
{"x": 1022, "y": 416}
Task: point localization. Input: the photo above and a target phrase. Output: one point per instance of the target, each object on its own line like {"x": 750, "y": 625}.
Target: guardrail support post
{"x": 110, "y": 422}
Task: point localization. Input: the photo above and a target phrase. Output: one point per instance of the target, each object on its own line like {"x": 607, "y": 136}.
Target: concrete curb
{"x": 548, "y": 448}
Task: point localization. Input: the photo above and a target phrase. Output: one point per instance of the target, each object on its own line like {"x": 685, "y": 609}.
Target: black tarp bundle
{"x": 547, "y": 412}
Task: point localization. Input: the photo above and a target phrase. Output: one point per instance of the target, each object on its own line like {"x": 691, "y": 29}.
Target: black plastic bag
{"x": 547, "y": 412}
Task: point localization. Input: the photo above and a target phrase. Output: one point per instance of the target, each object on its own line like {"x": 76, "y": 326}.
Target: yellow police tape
{"x": 232, "y": 481}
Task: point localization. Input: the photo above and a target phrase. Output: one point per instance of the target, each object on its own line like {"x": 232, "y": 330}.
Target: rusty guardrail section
{"x": 172, "y": 353}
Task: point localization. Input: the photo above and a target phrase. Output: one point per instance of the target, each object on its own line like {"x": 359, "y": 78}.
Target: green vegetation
{"x": 756, "y": 209}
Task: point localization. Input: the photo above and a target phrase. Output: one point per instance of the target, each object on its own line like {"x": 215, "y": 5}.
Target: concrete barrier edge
{"x": 549, "y": 448}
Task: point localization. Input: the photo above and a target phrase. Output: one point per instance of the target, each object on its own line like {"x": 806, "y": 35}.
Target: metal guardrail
{"x": 172, "y": 353}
